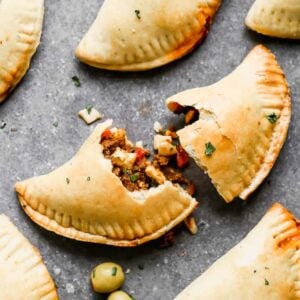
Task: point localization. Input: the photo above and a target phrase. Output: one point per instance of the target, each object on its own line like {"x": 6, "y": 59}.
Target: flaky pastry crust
{"x": 23, "y": 274}
{"x": 84, "y": 200}
{"x": 265, "y": 265}
{"x": 135, "y": 35}
{"x": 245, "y": 116}
{"x": 20, "y": 32}
{"x": 277, "y": 18}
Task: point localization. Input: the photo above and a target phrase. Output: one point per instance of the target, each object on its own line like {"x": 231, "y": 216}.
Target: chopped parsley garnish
{"x": 3, "y": 125}
{"x": 76, "y": 81}
{"x": 68, "y": 180}
{"x": 88, "y": 179}
{"x": 89, "y": 109}
{"x": 134, "y": 177}
{"x": 272, "y": 118}
{"x": 266, "y": 282}
{"x": 127, "y": 172}
{"x": 55, "y": 124}
{"x": 209, "y": 149}
{"x": 114, "y": 271}
{"x": 138, "y": 13}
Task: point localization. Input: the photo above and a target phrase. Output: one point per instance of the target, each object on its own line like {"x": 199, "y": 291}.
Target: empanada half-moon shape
{"x": 245, "y": 117}
{"x": 23, "y": 274}
{"x": 278, "y": 18}
{"x": 84, "y": 200}
{"x": 134, "y": 35}
{"x": 265, "y": 265}
{"x": 20, "y": 31}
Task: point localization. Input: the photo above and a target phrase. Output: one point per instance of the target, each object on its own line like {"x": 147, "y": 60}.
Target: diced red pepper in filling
{"x": 140, "y": 154}
{"x": 182, "y": 157}
{"x": 106, "y": 134}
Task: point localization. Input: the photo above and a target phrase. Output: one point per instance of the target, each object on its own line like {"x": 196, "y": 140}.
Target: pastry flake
{"x": 85, "y": 200}
{"x": 239, "y": 124}
{"x": 20, "y": 31}
{"x": 278, "y": 18}
{"x": 23, "y": 274}
{"x": 134, "y": 35}
{"x": 265, "y": 265}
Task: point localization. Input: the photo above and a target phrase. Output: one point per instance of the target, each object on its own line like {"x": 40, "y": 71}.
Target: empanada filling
{"x": 191, "y": 113}
{"x": 136, "y": 168}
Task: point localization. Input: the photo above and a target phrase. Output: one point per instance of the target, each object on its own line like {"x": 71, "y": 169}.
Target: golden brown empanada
{"x": 20, "y": 31}
{"x": 85, "y": 201}
{"x": 265, "y": 265}
{"x": 135, "y": 35}
{"x": 242, "y": 126}
{"x": 23, "y": 274}
{"x": 278, "y": 18}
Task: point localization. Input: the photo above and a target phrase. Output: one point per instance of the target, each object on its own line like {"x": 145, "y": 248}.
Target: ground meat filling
{"x": 135, "y": 168}
{"x": 191, "y": 113}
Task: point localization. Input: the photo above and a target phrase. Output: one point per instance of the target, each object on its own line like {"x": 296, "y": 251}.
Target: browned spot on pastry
{"x": 189, "y": 44}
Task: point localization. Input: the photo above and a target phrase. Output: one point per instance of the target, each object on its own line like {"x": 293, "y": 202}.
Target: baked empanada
{"x": 241, "y": 124}
{"x": 103, "y": 200}
{"x": 23, "y": 274}
{"x": 265, "y": 265}
{"x": 278, "y": 18}
{"x": 135, "y": 35}
{"x": 20, "y": 31}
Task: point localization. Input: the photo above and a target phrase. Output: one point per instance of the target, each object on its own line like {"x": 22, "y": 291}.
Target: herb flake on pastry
{"x": 238, "y": 125}
{"x": 20, "y": 31}
{"x": 134, "y": 35}
{"x": 265, "y": 265}
{"x": 277, "y": 18}
{"x": 104, "y": 195}
{"x": 23, "y": 274}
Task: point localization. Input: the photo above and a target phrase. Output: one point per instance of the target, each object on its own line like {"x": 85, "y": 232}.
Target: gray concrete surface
{"x": 30, "y": 144}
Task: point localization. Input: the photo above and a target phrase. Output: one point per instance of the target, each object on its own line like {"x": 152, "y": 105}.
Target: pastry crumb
{"x": 89, "y": 115}
{"x": 191, "y": 225}
{"x": 139, "y": 144}
{"x": 157, "y": 127}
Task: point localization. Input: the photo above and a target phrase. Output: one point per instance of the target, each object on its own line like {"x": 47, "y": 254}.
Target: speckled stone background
{"x": 31, "y": 144}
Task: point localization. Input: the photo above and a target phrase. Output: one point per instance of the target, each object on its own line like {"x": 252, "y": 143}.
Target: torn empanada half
{"x": 265, "y": 265}
{"x": 107, "y": 193}
{"x": 277, "y": 18}
{"x": 20, "y": 31}
{"x": 134, "y": 35}
{"x": 23, "y": 274}
{"x": 241, "y": 124}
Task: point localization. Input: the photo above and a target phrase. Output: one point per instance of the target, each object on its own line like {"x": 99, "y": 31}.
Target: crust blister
{"x": 22, "y": 270}
{"x": 230, "y": 116}
{"x": 147, "y": 40}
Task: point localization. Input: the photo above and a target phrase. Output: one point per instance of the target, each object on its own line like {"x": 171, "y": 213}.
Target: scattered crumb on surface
{"x": 139, "y": 144}
{"x": 157, "y": 127}
{"x": 191, "y": 225}
{"x": 57, "y": 271}
{"x": 89, "y": 115}
{"x": 70, "y": 288}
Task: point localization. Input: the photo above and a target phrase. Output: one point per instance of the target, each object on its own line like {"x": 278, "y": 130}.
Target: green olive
{"x": 107, "y": 277}
{"x": 119, "y": 295}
